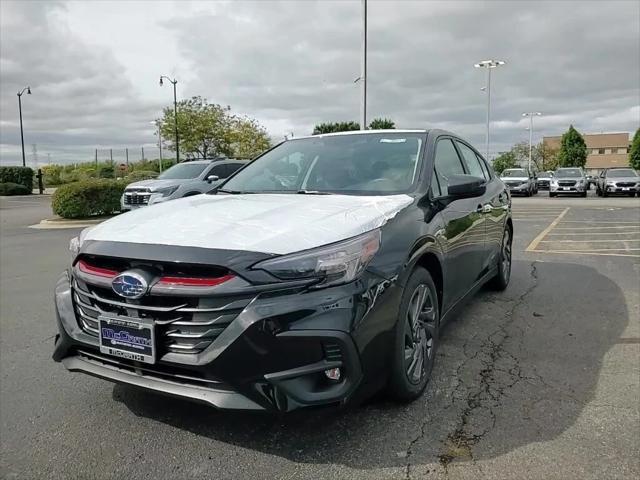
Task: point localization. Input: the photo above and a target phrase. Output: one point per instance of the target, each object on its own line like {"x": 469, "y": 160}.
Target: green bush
{"x": 138, "y": 175}
{"x": 88, "y": 198}
{"x": 106, "y": 171}
{"x": 21, "y": 175}
{"x": 10, "y": 188}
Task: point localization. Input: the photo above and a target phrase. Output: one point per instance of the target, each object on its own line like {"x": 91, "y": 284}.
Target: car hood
{"x": 267, "y": 223}
{"x": 155, "y": 184}
{"x": 624, "y": 179}
{"x": 519, "y": 179}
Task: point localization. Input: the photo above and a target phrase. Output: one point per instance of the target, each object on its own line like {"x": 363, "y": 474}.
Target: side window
{"x": 233, "y": 167}
{"x": 472, "y": 161}
{"x": 485, "y": 167}
{"x": 435, "y": 186}
{"x": 219, "y": 170}
{"x": 447, "y": 163}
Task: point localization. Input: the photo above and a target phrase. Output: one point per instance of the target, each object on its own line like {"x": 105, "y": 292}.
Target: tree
{"x": 208, "y": 130}
{"x": 573, "y": 149}
{"x": 382, "y": 124}
{"x": 503, "y": 161}
{"x": 248, "y": 138}
{"x": 634, "y": 153}
{"x": 548, "y": 155}
{"x": 333, "y": 127}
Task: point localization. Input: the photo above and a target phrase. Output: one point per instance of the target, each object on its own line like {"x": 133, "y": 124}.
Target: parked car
{"x": 569, "y": 180}
{"x": 520, "y": 181}
{"x": 618, "y": 181}
{"x": 181, "y": 180}
{"x": 318, "y": 274}
{"x": 544, "y": 180}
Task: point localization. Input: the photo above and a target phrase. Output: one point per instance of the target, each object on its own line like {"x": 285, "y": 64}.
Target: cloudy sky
{"x": 93, "y": 67}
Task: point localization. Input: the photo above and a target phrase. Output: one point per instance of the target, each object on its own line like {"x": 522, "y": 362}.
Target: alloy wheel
{"x": 506, "y": 255}
{"x": 420, "y": 334}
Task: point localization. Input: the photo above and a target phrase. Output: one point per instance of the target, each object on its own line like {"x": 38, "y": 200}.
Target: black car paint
{"x": 269, "y": 353}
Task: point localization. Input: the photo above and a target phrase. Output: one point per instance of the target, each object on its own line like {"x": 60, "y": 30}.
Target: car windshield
{"x": 365, "y": 164}
{"x": 516, "y": 172}
{"x": 568, "y": 172}
{"x": 621, "y": 172}
{"x": 183, "y": 171}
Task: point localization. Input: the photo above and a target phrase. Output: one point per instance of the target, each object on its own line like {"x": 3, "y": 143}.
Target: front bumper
{"x": 621, "y": 189}
{"x": 271, "y": 357}
{"x": 568, "y": 189}
{"x": 519, "y": 189}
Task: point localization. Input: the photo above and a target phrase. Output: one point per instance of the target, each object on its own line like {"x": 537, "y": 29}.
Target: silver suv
{"x": 618, "y": 180}
{"x": 520, "y": 181}
{"x": 568, "y": 180}
{"x": 181, "y": 180}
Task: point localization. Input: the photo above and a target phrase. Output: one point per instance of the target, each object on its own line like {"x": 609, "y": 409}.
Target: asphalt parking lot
{"x": 541, "y": 381}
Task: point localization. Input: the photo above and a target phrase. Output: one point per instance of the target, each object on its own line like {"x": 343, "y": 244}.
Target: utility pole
{"x": 126, "y": 152}
{"x": 142, "y": 148}
{"x": 28, "y": 89}
{"x": 96, "y": 157}
{"x": 111, "y": 155}
{"x": 489, "y": 65}
{"x": 531, "y": 115}
{"x": 175, "y": 114}
{"x": 363, "y": 73}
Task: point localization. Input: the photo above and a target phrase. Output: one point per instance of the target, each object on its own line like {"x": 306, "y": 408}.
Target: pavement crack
{"x": 500, "y": 371}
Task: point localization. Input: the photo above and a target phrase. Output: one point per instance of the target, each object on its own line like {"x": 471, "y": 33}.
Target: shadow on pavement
{"x": 508, "y": 363}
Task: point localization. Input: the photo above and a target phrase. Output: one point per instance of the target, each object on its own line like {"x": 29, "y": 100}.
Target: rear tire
{"x": 501, "y": 280}
{"x": 552, "y": 194}
{"x": 416, "y": 338}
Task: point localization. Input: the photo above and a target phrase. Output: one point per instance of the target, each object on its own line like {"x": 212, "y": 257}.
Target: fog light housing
{"x": 333, "y": 374}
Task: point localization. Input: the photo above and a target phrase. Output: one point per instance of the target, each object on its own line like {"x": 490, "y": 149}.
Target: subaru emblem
{"x": 130, "y": 285}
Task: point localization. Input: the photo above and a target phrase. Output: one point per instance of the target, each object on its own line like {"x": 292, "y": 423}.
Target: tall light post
{"x": 489, "y": 65}
{"x": 28, "y": 89}
{"x": 363, "y": 70}
{"x": 175, "y": 113}
{"x": 157, "y": 124}
{"x": 531, "y": 115}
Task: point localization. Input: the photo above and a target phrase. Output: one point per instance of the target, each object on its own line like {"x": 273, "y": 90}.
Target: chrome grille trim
{"x": 189, "y": 331}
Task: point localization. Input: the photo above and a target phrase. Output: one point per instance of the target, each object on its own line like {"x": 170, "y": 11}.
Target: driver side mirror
{"x": 466, "y": 186}
{"x": 213, "y": 178}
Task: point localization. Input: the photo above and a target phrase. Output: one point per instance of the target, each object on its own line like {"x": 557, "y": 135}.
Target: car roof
{"x": 363, "y": 132}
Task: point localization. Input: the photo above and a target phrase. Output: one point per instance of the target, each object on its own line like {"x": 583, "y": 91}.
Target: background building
{"x": 604, "y": 150}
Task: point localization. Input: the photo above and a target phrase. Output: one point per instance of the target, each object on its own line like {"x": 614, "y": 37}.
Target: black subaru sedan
{"x": 317, "y": 274}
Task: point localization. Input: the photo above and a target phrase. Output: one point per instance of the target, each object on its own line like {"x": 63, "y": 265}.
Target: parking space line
{"x": 590, "y": 252}
{"x": 532, "y": 246}
{"x": 590, "y": 234}
{"x": 597, "y": 228}
{"x": 592, "y": 241}
{"x": 598, "y": 221}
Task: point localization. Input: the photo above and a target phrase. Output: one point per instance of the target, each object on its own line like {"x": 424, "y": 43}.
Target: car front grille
{"x": 514, "y": 183}
{"x": 567, "y": 183}
{"x": 183, "y": 324}
{"x": 133, "y": 197}
{"x": 626, "y": 184}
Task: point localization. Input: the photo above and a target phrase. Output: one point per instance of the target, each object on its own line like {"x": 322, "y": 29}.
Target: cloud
{"x": 292, "y": 64}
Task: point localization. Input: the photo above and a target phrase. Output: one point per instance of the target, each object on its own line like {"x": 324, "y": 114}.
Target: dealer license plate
{"x": 129, "y": 338}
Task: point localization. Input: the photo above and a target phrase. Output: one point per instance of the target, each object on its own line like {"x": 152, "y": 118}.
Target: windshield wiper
{"x": 232, "y": 192}
{"x": 313, "y": 192}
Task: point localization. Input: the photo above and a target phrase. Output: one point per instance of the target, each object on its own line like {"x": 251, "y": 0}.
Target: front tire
{"x": 501, "y": 280}
{"x": 552, "y": 194}
{"x": 416, "y": 337}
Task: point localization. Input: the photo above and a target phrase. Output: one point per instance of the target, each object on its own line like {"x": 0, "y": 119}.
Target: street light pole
{"x": 28, "y": 89}
{"x": 363, "y": 74}
{"x": 157, "y": 124}
{"x": 531, "y": 115}
{"x": 175, "y": 113}
{"x": 489, "y": 65}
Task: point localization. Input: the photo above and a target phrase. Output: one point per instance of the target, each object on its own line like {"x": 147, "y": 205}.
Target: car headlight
{"x": 580, "y": 182}
{"x": 554, "y": 183}
{"x": 76, "y": 242}
{"x": 333, "y": 264}
{"x": 167, "y": 191}
{"x": 610, "y": 183}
